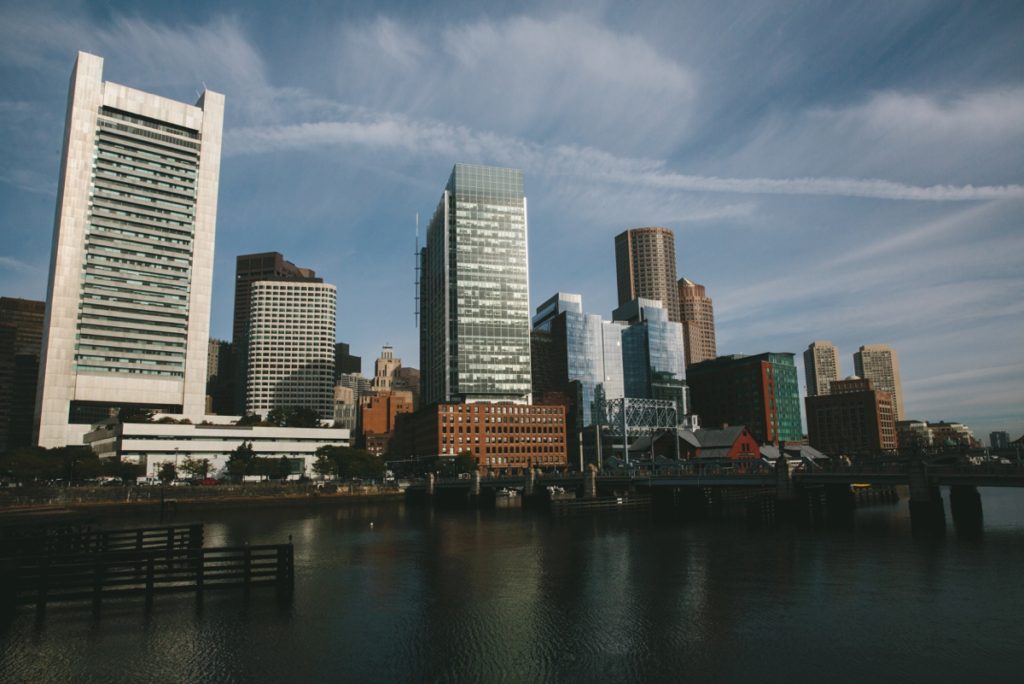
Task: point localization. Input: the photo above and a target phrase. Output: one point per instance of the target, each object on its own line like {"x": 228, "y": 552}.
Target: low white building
{"x": 154, "y": 443}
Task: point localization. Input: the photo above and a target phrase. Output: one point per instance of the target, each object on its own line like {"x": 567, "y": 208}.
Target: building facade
{"x": 344, "y": 361}
{"x": 474, "y": 293}
{"x": 128, "y": 300}
{"x": 291, "y": 346}
{"x": 821, "y": 367}
{"x": 852, "y": 419}
{"x": 377, "y": 419}
{"x": 250, "y": 268}
{"x": 502, "y": 437}
{"x": 697, "y": 314}
{"x": 760, "y": 392}
{"x": 384, "y": 369}
{"x": 999, "y": 439}
{"x": 645, "y": 266}
{"x": 219, "y": 378}
{"x": 653, "y": 358}
{"x": 153, "y": 444}
{"x": 880, "y": 364}
{"x": 21, "y": 337}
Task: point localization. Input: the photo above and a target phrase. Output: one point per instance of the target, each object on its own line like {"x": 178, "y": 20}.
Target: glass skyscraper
{"x": 474, "y": 290}
{"x": 590, "y": 352}
{"x": 653, "y": 358}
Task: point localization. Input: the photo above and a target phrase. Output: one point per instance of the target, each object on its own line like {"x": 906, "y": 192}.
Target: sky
{"x": 832, "y": 170}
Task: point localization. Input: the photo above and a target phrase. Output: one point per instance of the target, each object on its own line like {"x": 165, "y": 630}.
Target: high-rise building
{"x": 384, "y": 369}
{"x": 474, "y": 290}
{"x": 577, "y": 362}
{"x": 697, "y": 314}
{"x": 219, "y": 378}
{"x": 128, "y": 301}
{"x": 759, "y": 392}
{"x": 880, "y": 364}
{"x": 291, "y": 346}
{"x": 852, "y": 419}
{"x": 21, "y": 334}
{"x": 407, "y": 379}
{"x": 345, "y": 361}
{"x": 653, "y": 363}
{"x": 999, "y": 439}
{"x": 250, "y": 268}
{"x": 821, "y": 367}
{"x": 645, "y": 266}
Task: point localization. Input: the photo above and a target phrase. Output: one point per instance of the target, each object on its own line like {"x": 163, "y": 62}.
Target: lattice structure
{"x": 633, "y": 417}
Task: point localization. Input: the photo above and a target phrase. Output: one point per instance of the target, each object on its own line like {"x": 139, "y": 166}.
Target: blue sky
{"x": 832, "y": 170}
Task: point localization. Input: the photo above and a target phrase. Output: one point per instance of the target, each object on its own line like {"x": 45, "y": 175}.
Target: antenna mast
{"x": 416, "y": 266}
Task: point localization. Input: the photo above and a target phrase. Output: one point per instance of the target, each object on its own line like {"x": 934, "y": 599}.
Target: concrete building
{"x": 291, "y": 346}
{"x": 346, "y": 408}
{"x": 474, "y": 292}
{"x": 21, "y": 335}
{"x": 697, "y": 314}
{"x": 760, "y": 392}
{"x": 220, "y": 378}
{"x": 946, "y": 434}
{"x": 913, "y": 434}
{"x": 128, "y": 300}
{"x": 653, "y": 358}
{"x": 384, "y": 369}
{"x": 407, "y": 379}
{"x": 645, "y": 266}
{"x": 345, "y": 362}
{"x": 153, "y": 443}
{"x": 502, "y": 437}
{"x": 880, "y": 364}
{"x": 821, "y": 367}
{"x": 250, "y": 268}
{"x": 853, "y": 419}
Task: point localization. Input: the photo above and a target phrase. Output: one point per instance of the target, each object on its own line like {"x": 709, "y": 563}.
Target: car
{"x": 181, "y": 483}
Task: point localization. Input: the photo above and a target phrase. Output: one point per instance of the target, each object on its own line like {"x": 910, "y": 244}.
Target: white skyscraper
{"x": 291, "y": 346}
{"x": 128, "y": 301}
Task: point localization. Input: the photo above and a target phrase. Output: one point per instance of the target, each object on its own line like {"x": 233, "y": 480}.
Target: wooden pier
{"x": 95, "y": 565}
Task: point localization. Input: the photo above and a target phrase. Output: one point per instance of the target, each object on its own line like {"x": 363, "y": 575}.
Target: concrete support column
{"x": 965, "y": 506}
{"x": 927, "y": 513}
{"x": 531, "y": 477}
{"x": 431, "y": 481}
{"x": 590, "y": 482}
{"x": 474, "y": 486}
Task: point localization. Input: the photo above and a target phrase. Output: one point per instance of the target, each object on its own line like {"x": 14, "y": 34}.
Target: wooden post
{"x": 200, "y": 557}
{"x": 44, "y": 584}
{"x": 247, "y": 571}
{"x": 149, "y": 580}
{"x": 97, "y": 581}
{"x": 195, "y": 536}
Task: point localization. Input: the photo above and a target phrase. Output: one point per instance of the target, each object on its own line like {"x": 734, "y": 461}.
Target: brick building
{"x": 854, "y": 418}
{"x": 377, "y": 419}
{"x": 503, "y": 437}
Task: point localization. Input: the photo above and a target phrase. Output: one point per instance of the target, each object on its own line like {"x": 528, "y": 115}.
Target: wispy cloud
{"x": 12, "y": 264}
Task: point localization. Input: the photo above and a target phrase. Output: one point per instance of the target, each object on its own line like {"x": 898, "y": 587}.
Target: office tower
{"x": 574, "y": 347}
{"x": 880, "y": 364}
{"x": 759, "y": 392}
{"x": 407, "y": 379}
{"x": 128, "y": 301}
{"x": 291, "y": 346}
{"x": 698, "y": 318}
{"x": 653, "y": 364}
{"x": 999, "y": 439}
{"x": 852, "y": 419}
{"x": 645, "y": 266}
{"x": 821, "y": 367}
{"x": 219, "y": 378}
{"x": 21, "y": 335}
{"x": 344, "y": 361}
{"x": 474, "y": 290}
{"x": 384, "y": 369}
{"x": 248, "y": 269}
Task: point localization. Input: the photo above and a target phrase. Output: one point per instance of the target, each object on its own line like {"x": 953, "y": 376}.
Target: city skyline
{"x": 900, "y": 138}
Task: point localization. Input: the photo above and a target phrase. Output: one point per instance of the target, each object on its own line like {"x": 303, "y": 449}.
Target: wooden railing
{"x": 87, "y": 540}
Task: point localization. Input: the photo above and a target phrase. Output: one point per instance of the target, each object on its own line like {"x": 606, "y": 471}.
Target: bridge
{"x": 792, "y": 490}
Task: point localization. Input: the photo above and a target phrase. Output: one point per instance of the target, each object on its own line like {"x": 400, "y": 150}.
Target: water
{"x": 516, "y": 596}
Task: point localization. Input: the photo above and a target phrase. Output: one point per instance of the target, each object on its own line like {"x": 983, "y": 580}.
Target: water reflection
{"x": 509, "y": 594}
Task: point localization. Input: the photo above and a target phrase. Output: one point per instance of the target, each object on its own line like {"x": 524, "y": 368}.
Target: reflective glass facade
{"x": 474, "y": 290}
{"x": 592, "y": 349}
{"x": 653, "y": 359}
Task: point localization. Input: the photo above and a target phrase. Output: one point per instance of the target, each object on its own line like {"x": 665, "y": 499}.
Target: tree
{"x": 168, "y": 472}
{"x": 324, "y": 466}
{"x": 293, "y": 416}
{"x": 352, "y": 463}
{"x": 196, "y": 467}
{"x": 241, "y": 460}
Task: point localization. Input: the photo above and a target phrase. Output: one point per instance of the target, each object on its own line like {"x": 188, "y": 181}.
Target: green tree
{"x": 353, "y": 463}
{"x": 293, "y": 416}
{"x": 168, "y": 472}
{"x": 241, "y": 460}
{"x": 196, "y": 467}
{"x": 324, "y": 466}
